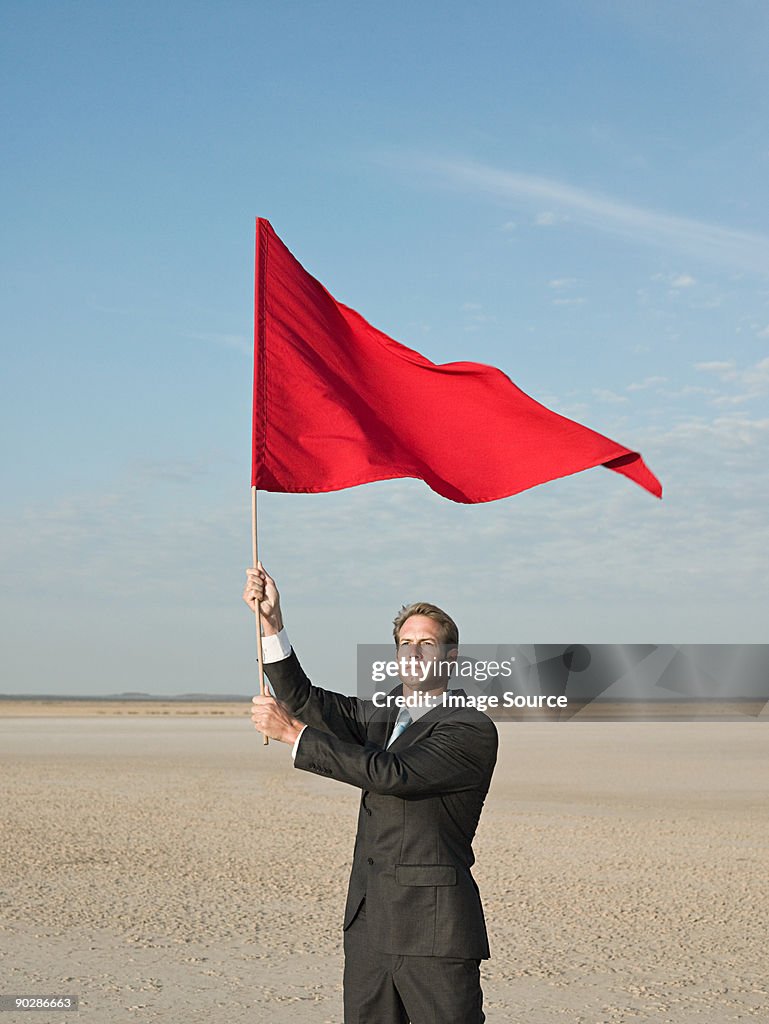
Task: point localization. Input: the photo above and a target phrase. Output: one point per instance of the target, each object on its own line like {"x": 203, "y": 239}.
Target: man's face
{"x": 420, "y": 644}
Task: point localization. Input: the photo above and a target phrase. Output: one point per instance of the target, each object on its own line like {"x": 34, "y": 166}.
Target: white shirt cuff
{"x": 276, "y": 647}
{"x": 296, "y": 744}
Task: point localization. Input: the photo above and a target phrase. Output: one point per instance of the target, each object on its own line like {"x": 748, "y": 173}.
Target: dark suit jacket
{"x": 419, "y": 810}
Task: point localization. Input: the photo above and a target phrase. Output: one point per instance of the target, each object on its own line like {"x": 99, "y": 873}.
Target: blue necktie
{"x": 402, "y": 722}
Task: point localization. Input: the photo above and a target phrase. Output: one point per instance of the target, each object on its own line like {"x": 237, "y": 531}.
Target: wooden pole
{"x": 257, "y": 617}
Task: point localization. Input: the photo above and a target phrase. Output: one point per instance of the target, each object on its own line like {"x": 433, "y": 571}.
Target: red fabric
{"x": 337, "y": 403}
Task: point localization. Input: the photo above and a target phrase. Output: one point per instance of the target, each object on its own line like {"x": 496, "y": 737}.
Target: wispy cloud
{"x": 749, "y": 381}
{"x": 605, "y": 395}
{"x": 475, "y": 316}
{"x": 546, "y": 219}
{"x": 683, "y": 281}
{"x": 555, "y": 201}
{"x": 647, "y": 382}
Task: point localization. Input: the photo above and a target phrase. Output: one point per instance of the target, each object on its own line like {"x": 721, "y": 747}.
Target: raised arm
{"x": 459, "y": 754}
{"x": 299, "y": 702}
{"x": 262, "y": 597}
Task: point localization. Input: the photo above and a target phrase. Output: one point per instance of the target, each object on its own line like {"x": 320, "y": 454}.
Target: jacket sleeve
{"x": 323, "y": 710}
{"x": 457, "y": 755}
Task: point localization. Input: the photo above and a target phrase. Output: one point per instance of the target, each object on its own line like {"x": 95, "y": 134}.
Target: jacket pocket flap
{"x": 425, "y": 874}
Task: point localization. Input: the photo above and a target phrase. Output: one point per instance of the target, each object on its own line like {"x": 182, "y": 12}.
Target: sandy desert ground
{"x": 171, "y": 868}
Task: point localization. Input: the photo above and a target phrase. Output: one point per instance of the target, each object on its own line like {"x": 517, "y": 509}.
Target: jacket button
{"x": 368, "y": 811}
{"x": 370, "y": 860}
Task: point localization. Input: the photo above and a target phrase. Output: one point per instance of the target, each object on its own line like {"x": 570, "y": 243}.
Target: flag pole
{"x": 257, "y": 616}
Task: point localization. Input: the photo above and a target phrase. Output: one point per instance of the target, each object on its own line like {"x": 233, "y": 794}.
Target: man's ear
{"x": 451, "y": 654}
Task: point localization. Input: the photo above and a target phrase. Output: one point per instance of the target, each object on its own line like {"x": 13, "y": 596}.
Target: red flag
{"x": 338, "y": 403}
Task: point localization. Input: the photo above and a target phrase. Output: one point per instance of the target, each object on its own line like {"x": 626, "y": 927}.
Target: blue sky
{"x": 575, "y": 192}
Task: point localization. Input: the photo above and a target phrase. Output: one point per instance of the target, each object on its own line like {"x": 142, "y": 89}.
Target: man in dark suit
{"x": 414, "y": 926}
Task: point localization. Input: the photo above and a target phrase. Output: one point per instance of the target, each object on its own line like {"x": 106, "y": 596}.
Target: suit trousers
{"x": 381, "y": 988}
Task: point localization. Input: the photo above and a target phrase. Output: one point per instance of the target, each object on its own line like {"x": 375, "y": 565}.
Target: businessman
{"x": 414, "y": 931}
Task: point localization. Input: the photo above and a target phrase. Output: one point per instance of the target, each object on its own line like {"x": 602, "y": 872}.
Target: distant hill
{"x": 199, "y": 698}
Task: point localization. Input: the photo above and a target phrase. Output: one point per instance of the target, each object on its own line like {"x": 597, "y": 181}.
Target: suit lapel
{"x": 417, "y": 730}
{"x": 381, "y": 724}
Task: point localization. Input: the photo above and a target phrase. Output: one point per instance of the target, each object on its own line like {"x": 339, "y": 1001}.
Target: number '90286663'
{"x": 35, "y": 1002}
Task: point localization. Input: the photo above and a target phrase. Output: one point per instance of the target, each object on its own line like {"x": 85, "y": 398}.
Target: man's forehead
{"x": 420, "y": 627}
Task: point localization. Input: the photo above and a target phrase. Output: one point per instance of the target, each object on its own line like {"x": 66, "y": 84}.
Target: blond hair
{"x": 450, "y": 632}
